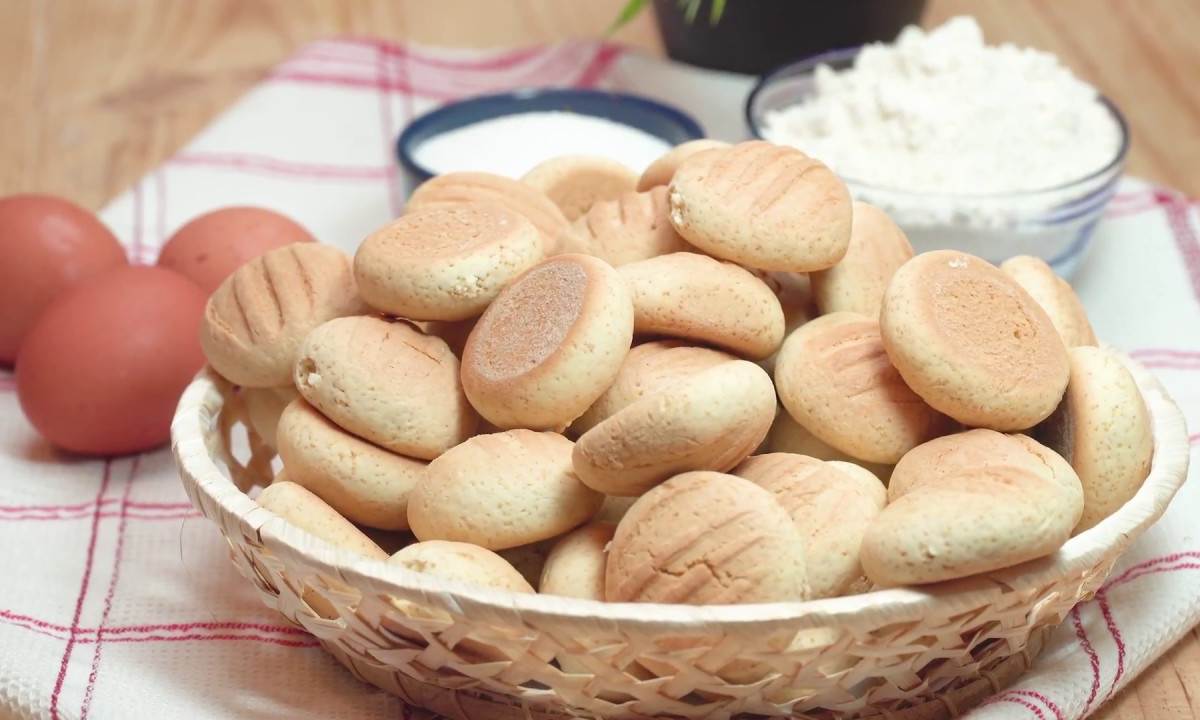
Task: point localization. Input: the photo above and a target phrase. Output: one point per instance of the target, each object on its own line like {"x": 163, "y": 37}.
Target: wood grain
{"x": 96, "y": 92}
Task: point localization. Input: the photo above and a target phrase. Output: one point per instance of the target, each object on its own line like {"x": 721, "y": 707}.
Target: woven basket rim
{"x": 194, "y": 429}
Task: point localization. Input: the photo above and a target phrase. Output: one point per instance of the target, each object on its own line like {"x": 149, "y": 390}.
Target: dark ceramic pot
{"x": 754, "y": 36}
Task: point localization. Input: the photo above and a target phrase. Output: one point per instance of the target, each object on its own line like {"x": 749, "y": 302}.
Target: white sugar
{"x": 512, "y": 144}
{"x": 941, "y": 112}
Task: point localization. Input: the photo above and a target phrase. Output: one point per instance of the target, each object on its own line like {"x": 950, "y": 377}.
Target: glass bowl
{"x": 1055, "y": 223}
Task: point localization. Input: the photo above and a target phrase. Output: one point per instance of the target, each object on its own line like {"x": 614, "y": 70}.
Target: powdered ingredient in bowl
{"x": 927, "y": 114}
{"x": 511, "y": 145}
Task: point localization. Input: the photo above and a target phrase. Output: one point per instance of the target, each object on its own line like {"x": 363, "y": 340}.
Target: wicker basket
{"x": 473, "y": 653}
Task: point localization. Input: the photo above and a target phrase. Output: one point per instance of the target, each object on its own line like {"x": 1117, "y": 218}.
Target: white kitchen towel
{"x": 119, "y": 601}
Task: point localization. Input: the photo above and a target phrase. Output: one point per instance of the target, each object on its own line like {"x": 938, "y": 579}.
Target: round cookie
{"x": 501, "y": 491}
{"x": 478, "y": 187}
{"x": 789, "y": 436}
{"x": 832, "y": 508}
{"x": 386, "y": 383}
{"x": 648, "y": 368}
{"x": 255, "y": 321}
{"x": 633, "y": 226}
{"x": 972, "y": 343}
{"x": 970, "y": 503}
{"x": 366, "y": 484}
{"x": 878, "y": 247}
{"x": 263, "y": 407}
{"x": 461, "y": 563}
{"x": 660, "y": 172}
{"x": 445, "y": 262}
{"x": 549, "y": 344}
{"x": 976, "y": 450}
{"x": 693, "y": 296}
{"x": 708, "y": 421}
{"x": 738, "y": 545}
{"x": 311, "y": 514}
{"x": 575, "y": 567}
{"x": 577, "y": 182}
{"x": 763, "y": 206}
{"x": 834, "y": 378}
{"x": 1055, "y": 295}
{"x": 1103, "y": 429}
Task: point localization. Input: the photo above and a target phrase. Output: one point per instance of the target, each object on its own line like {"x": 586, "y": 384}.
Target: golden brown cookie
{"x": 1103, "y": 429}
{"x": 1055, "y": 295}
{"x": 461, "y": 563}
{"x": 575, "y": 567}
{"x": 633, "y": 226}
{"x": 878, "y": 247}
{"x": 263, "y": 407}
{"x": 311, "y": 514}
{"x": 789, "y": 436}
{"x": 707, "y": 421}
{"x": 445, "y": 262}
{"x": 832, "y": 507}
{"x": 386, "y": 383}
{"x": 660, "y": 172}
{"x": 648, "y": 368}
{"x": 366, "y": 484}
{"x": 502, "y": 491}
{"x": 693, "y": 296}
{"x": 577, "y": 182}
{"x": 971, "y": 503}
{"x": 257, "y": 318}
{"x": 972, "y": 343}
{"x": 763, "y": 206}
{"x": 834, "y": 378}
{"x": 478, "y": 187}
{"x": 549, "y": 345}
{"x": 738, "y": 545}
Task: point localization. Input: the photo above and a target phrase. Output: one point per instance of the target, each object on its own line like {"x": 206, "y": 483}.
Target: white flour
{"x": 512, "y": 144}
{"x": 941, "y": 112}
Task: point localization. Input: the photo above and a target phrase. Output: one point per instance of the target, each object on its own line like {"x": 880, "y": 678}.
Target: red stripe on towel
{"x": 1093, "y": 659}
{"x": 83, "y": 588}
{"x": 276, "y": 166}
{"x": 1111, "y": 624}
{"x": 112, "y": 589}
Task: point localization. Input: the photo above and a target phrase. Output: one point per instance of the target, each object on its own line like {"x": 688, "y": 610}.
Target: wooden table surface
{"x": 96, "y": 92}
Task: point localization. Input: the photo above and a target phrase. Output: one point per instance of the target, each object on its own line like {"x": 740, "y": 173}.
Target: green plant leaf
{"x": 629, "y": 12}
{"x": 691, "y": 8}
{"x": 715, "y": 13}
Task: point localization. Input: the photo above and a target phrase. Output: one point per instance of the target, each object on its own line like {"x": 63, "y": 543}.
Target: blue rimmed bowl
{"x": 665, "y": 122}
{"x": 1055, "y": 224}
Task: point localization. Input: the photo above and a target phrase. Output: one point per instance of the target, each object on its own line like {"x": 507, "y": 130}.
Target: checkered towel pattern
{"x": 118, "y": 601}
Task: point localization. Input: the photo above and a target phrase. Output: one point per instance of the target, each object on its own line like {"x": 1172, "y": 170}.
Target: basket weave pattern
{"x": 471, "y": 653}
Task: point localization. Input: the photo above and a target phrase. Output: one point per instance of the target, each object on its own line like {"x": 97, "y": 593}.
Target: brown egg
{"x": 47, "y": 244}
{"x": 103, "y": 366}
{"x": 210, "y": 247}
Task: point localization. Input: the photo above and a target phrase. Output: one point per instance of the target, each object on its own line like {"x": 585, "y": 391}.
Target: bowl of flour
{"x": 995, "y": 150}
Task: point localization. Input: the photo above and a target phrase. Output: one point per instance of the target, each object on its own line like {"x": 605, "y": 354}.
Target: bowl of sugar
{"x": 509, "y": 133}
{"x": 994, "y": 150}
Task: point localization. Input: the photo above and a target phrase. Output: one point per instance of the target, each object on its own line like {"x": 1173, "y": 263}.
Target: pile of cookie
{"x": 721, "y": 382}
